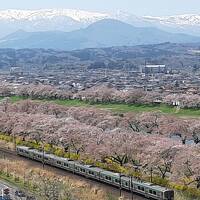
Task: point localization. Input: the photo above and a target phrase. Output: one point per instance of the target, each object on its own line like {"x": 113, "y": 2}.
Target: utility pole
{"x": 14, "y": 140}
{"x": 24, "y": 178}
{"x": 43, "y": 155}
{"x": 74, "y": 169}
{"x": 7, "y": 170}
{"x": 131, "y": 188}
{"x": 151, "y": 178}
{"x": 120, "y": 187}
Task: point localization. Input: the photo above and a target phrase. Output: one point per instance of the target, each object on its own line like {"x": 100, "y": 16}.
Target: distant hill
{"x": 104, "y": 33}
{"x": 175, "y": 56}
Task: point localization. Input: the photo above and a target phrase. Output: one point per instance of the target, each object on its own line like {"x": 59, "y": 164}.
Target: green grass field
{"x": 17, "y": 98}
{"x": 122, "y": 108}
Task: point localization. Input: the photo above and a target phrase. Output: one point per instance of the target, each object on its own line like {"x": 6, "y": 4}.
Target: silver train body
{"x": 145, "y": 189}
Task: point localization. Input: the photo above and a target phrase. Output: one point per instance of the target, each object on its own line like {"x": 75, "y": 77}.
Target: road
{"x": 12, "y": 189}
{"x": 34, "y": 164}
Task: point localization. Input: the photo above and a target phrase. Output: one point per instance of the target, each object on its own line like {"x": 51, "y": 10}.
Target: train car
{"x": 146, "y": 189}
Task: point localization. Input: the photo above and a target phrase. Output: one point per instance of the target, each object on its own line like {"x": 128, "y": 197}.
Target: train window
{"x": 140, "y": 188}
{"x": 59, "y": 163}
{"x": 66, "y": 165}
{"x": 108, "y": 178}
{"x": 90, "y": 172}
{"x": 117, "y": 180}
{"x": 82, "y": 170}
{"x": 154, "y": 193}
{"x": 126, "y": 184}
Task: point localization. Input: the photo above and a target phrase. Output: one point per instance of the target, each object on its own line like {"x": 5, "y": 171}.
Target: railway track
{"x": 8, "y": 151}
{"x": 12, "y": 155}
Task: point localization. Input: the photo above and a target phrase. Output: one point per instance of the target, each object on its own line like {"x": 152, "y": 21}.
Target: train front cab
{"x": 23, "y": 151}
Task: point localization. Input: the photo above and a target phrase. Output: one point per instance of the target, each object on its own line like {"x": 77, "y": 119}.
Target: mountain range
{"x": 74, "y": 29}
{"x": 71, "y": 19}
{"x": 103, "y": 33}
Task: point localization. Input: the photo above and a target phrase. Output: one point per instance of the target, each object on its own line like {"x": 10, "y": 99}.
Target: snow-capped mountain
{"x": 59, "y": 20}
{"x": 70, "y": 19}
{"x": 46, "y": 20}
{"x": 179, "y": 20}
{"x": 32, "y": 15}
{"x": 187, "y": 23}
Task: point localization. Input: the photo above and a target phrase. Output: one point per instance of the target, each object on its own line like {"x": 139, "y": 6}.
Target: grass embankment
{"x": 122, "y": 107}
{"x": 47, "y": 185}
{"x": 20, "y": 184}
{"x": 12, "y": 180}
{"x": 15, "y": 181}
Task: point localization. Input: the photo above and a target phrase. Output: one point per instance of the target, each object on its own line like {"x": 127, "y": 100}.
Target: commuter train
{"x": 145, "y": 189}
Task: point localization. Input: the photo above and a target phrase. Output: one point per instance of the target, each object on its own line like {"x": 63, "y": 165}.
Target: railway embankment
{"x": 29, "y": 169}
{"x": 7, "y": 152}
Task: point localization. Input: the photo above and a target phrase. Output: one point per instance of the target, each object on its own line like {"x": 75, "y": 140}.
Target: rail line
{"x": 109, "y": 189}
{"x": 8, "y": 151}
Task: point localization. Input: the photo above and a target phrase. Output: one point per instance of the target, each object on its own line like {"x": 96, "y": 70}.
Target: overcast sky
{"x": 137, "y": 7}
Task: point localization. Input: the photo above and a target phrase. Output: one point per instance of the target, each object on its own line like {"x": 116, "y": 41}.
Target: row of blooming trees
{"x": 128, "y": 140}
{"x": 103, "y": 93}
